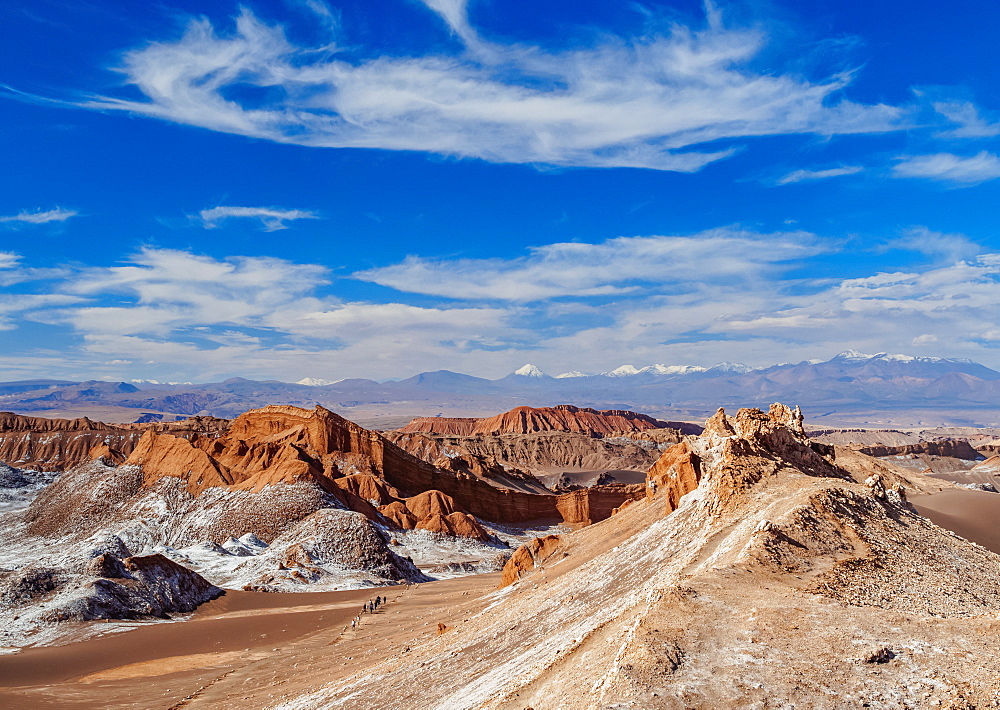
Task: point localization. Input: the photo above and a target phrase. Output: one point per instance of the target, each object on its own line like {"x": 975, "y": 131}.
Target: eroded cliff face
{"x": 519, "y": 460}
{"x": 527, "y": 420}
{"x": 764, "y": 569}
{"x": 283, "y": 463}
{"x": 59, "y": 444}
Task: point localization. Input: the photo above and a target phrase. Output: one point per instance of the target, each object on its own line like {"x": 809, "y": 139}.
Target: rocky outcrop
{"x": 517, "y": 460}
{"x": 565, "y": 417}
{"x": 57, "y": 444}
{"x": 466, "y": 457}
{"x": 60, "y": 444}
{"x": 780, "y": 578}
{"x": 275, "y": 466}
{"x": 953, "y": 448}
{"x": 675, "y": 474}
{"x": 345, "y": 540}
{"x": 133, "y": 588}
{"x": 450, "y": 426}
{"x": 457, "y": 524}
{"x": 525, "y": 558}
{"x": 527, "y": 420}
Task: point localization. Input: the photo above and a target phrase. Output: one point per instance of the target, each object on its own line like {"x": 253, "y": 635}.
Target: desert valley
{"x": 545, "y": 557}
{"x": 499, "y": 355}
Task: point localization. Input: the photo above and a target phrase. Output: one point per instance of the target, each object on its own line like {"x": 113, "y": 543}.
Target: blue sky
{"x": 375, "y": 188}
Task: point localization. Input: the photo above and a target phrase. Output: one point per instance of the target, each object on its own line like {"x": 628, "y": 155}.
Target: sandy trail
{"x": 244, "y": 650}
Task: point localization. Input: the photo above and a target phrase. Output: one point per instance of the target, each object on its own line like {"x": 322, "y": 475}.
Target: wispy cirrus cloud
{"x": 616, "y": 266}
{"x": 949, "y": 247}
{"x": 970, "y": 123}
{"x": 272, "y": 218}
{"x": 948, "y": 167}
{"x": 726, "y": 294}
{"x": 193, "y": 313}
{"x": 39, "y": 217}
{"x": 800, "y": 175}
{"x": 659, "y": 101}
{"x": 171, "y": 288}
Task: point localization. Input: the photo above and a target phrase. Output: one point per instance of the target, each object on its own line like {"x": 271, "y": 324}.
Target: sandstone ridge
{"x": 527, "y": 420}
{"x": 761, "y": 569}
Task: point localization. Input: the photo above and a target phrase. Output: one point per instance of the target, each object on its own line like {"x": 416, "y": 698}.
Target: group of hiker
{"x": 368, "y": 607}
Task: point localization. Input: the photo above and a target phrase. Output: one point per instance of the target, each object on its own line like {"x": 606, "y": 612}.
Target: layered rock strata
{"x": 763, "y": 570}
{"x": 527, "y": 420}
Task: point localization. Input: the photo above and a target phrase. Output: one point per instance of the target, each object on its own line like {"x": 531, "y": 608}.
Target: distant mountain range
{"x": 851, "y": 388}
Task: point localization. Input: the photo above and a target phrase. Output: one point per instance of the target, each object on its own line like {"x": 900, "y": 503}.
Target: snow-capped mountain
{"x": 659, "y": 369}
{"x": 622, "y": 371}
{"x": 316, "y": 382}
{"x": 851, "y": 381}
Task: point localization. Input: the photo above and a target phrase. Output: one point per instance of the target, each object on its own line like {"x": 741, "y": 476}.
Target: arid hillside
{"x": 760, "y": 570}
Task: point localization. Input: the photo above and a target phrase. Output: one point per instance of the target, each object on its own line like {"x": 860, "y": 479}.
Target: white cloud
{"x": 272, "y": 218}
{"x": 970, "y": 123}
{"x": 723, "y": 295}
{"x": 800, "y": 175}
{"x": 950, "y": 307}
{"x": 13, "y": 305}
{"x": 172, "y": 289}
{"x": 651, "y": 102}
{"x": 615, "y": 266}
{"x": 8, "y": 259}
{"x": 950, "y": 168}
{"x": 196, "y": 317}
{"x": 54, "y": 215}
{"x": 950, "y": 247}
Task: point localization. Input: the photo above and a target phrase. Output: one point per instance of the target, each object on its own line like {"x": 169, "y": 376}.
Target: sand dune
{"x": 241, "y": 648}
{"x": 971, "y": 514}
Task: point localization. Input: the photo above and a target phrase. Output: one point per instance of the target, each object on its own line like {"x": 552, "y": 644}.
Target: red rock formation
{"x": 458, "y": 524}
{"x": 451, "y": 426}
{"x": 369, "y": 487}
{"x": 565, "y": 417}
{"x": 60, "y": 444}
{"x": 431, "y": 503}
{"x": 525, "y": 420}
{"x": 676, "y": 473}
{"x": 57, "y": 444}
{"x": 514, "y": 460}
{"x": 527, "y": 556}
{"x": 110, "y": 456}
{"x": 286, "y": 445}
{"x": 453, "y": 455}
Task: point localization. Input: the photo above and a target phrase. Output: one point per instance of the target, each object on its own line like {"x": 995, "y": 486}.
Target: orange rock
{"x": 431, "y": 503}
{"x": 677, "y": 472}
{"x": 566, "y": 417}
{"x": 399, "y": 514}
{"x": 368, "y": 487}
{"x": 527, "y": 557}
{"x": 452, "y": 426}
{"x": 525, "y": 420}
{"x": 110, "y": 456}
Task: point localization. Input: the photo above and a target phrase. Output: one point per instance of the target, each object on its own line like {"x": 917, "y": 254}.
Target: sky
{"x": 284, "y": 189}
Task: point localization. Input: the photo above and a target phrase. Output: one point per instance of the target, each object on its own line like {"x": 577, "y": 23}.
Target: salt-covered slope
{"x": 760, "y": 571}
